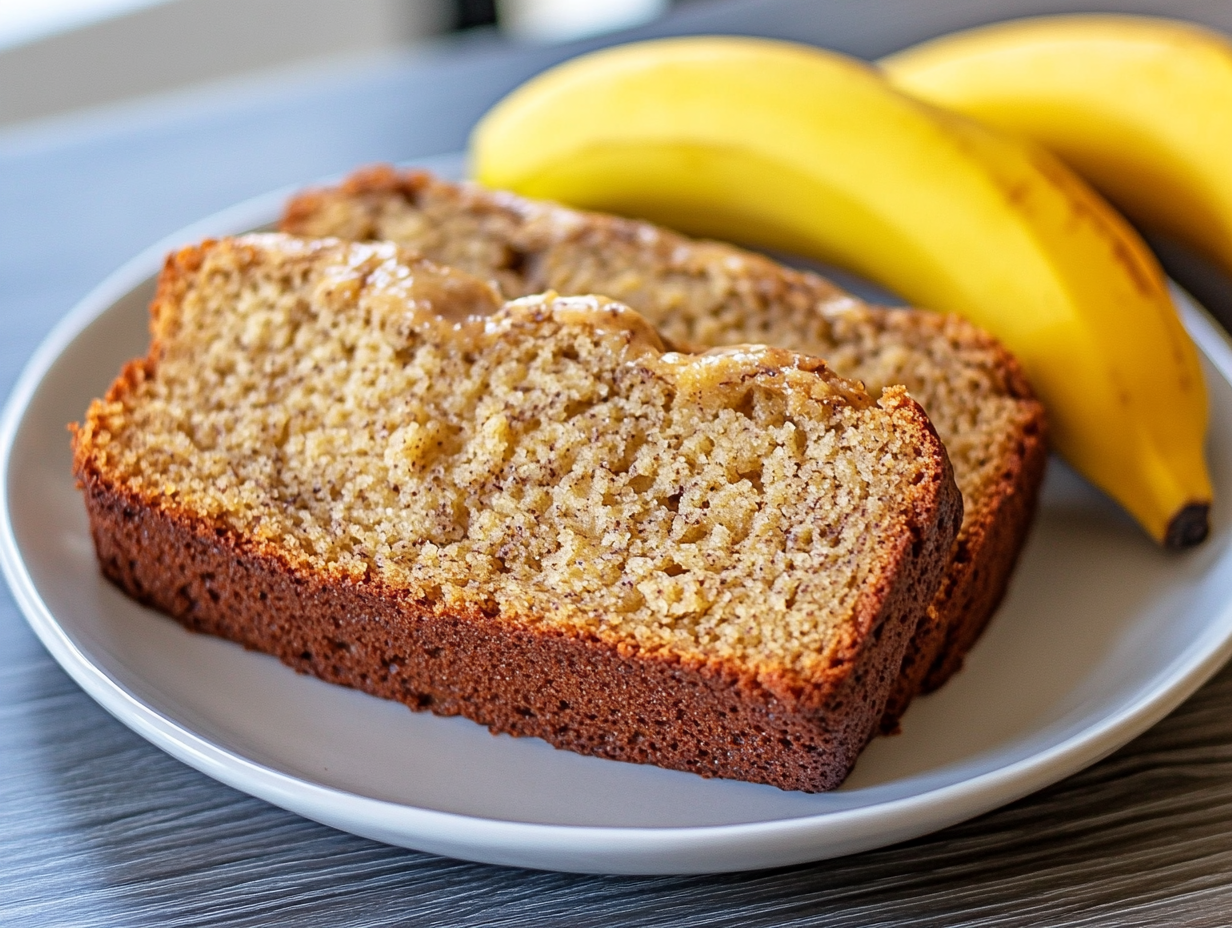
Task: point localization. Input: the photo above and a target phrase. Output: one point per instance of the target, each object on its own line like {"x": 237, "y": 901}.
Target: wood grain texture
{"x": 98, "y": 828}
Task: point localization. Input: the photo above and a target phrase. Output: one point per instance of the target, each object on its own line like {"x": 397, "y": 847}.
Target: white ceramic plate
{"x": 1101, "y": 636}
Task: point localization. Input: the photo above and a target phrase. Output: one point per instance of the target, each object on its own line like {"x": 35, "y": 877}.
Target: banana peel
{"x": 1141, "y": 107}
{"x": 788, "y": 147}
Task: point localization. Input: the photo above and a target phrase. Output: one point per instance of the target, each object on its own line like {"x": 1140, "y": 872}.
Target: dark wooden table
{"x": 97, "y": 827}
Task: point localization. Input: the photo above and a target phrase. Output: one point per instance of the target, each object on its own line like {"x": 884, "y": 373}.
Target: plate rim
{"x": 613, "y": 849}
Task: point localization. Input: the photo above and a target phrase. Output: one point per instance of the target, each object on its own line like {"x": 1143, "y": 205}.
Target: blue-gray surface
{"x": 99, "y": 828}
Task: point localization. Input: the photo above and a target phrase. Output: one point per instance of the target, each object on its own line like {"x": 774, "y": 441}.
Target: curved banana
{"x": 789, "y": 147}
{"x": 1142, "y": 108}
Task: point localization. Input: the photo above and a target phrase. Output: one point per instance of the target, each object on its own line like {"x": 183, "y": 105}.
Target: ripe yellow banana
{"x": 1142, "y": 108}
{"x": 790, "y": 147}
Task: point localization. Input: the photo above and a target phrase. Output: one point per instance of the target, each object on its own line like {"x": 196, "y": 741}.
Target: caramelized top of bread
{"x": 703, "y": 294}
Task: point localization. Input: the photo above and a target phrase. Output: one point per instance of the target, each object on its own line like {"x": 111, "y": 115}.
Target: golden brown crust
{"x": 981, "y": 564}
{"x": 525, "y": 244}
{"x": 989, "y": 560}
{"x": 576, "y": 692}
{"x": 575, "y": 689}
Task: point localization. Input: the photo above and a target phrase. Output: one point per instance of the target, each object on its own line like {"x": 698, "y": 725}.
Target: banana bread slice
{"x": 531, "y": 514}
{"x": 707, "y": 293}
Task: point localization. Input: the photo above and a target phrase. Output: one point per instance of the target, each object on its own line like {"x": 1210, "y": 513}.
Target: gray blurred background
{"x": 57, "y": 56}
{"x": 103, "y": 58}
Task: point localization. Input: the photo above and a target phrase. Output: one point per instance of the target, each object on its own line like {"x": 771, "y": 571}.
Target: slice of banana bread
{"x": 706, "y": 293}
{"x": 531, "y": 514}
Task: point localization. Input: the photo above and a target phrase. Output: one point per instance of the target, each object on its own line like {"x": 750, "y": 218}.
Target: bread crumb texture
{"x": 706, "y": 293}
{"x": 378, "y": 419}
